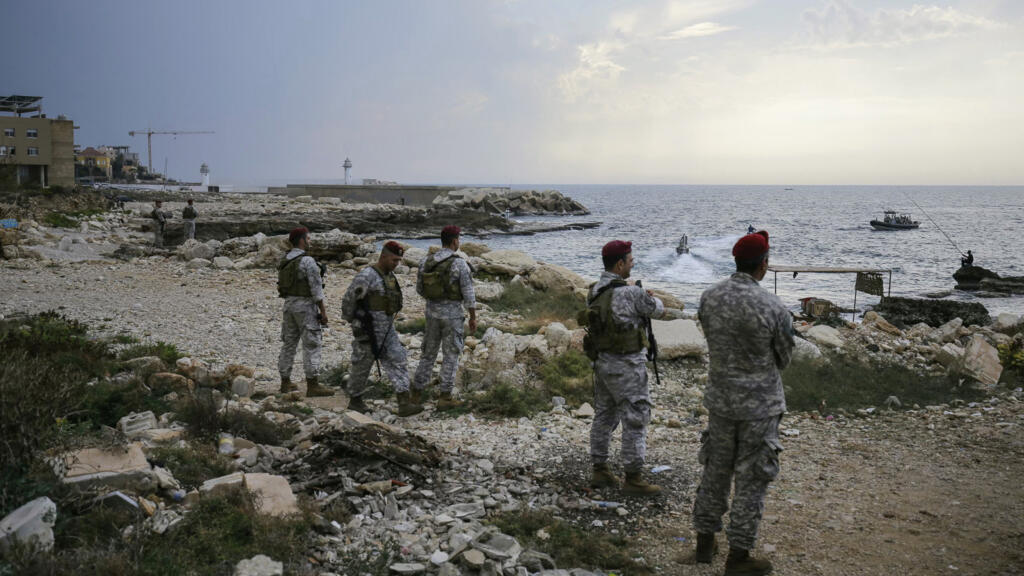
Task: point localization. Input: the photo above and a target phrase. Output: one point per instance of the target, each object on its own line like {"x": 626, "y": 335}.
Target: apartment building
{"x": 37, "y": 149}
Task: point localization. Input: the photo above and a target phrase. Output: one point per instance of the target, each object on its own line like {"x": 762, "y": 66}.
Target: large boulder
{"x": 806, "y": 351}
{"x": 981, "y": 361}
{"x": 970, "y": 277}
{"x": 554, "y": 278}
{"x": 414, "y": 256}
{"x": 1008, "y": 323}
{"x": 507, "y": 262}
{"x": 825, "y": 336}
{"x": 557, "y": 335}
{"x": 488, "y": 291}
{"x": 679, "y": 339}
{"x": 331, "y": 245}
{"x": 193, "y": 249}
{"x": 947, "y": 332}
{"x": 270, "y": 253}
{"x": 239, "y": 247}
{"x": 474, "y": 248}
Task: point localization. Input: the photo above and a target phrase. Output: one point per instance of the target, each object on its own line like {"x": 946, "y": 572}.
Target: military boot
{"x": 356, "y": 404}
{"x": 636, "y": 486}
{"x": 287, "y": 386}
{"x": 406, "y": 407}
{"x": 706, "y": 548}
{"x": 416, "y": 395}
{"x": 603, "y": 477}
{"x": 739, "y": 563}
{"x": 313, "y": 389}
{"x": 446, "y": 402}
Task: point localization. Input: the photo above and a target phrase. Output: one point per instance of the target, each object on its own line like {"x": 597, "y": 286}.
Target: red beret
{"x": 451, "y": 231}
{"x": 394, "y": 248}
{"x": 297, "y": 233}
{"x": 751, "y": 246}
{"x": 617, "y": 248}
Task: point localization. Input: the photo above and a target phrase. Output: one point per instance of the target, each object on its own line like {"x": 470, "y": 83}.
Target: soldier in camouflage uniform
{"x": 446, "y": 281}
{"x": 750, "y": 341}
{"x": 370, "y": 305}
{"x": 617, "y": 342}
{"x": 159, "y": 222}
{"x": 299, "y": 283}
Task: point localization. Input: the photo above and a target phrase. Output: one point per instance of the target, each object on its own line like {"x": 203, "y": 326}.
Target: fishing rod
{"x": 939, "y": 228}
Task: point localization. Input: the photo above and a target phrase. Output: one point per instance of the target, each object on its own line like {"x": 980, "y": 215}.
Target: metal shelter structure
{"x": 20, "y": 104}
{"x": 860, "y": 272}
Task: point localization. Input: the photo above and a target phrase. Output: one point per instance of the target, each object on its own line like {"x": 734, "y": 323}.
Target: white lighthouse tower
{"x": 204, "y": 170}
{"x": 348, "y": 171}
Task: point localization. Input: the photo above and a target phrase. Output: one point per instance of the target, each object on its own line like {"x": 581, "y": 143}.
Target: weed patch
{"x": 205, "y": 420}
{"x": 538, "y": 307}
{"x": 569, "y": 375}
{"x": 59, "y": 220}
{"x": 167, "y": 352}
{"x": 570, "y": 545}
{"x": 851, "y": 384}
{"x": 192, "y": 465}
{"x": 509, "y": 401}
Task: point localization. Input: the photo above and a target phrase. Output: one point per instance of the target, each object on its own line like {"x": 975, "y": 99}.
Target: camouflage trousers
{"x": 158, "y": 236}
{"x": 392, "y": 360}
{"x": 744, "y": 451}
{"x": 190, "y": 229}
{"x": 621, "y": 396}
{"x": 446, "y": 333}
{"x": 300, "y": 323}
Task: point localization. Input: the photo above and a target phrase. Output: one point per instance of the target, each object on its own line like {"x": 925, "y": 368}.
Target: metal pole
{"x": 853, "y": 315}
{"x": 149, "y": 149}
{"x": 890, "y": 282}
{"x": 776, "y": 282}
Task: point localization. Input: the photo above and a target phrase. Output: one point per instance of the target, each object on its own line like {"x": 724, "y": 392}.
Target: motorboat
{"x": 893, "y": 220}
{"x": 684, "y": 245}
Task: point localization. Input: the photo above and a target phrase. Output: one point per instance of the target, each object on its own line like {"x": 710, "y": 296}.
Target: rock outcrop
{"x": 909, "y": 311}
{"x": 518, "y": 202}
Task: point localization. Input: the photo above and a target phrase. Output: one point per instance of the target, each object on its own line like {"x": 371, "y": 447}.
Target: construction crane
{"x": 149, "y": 140}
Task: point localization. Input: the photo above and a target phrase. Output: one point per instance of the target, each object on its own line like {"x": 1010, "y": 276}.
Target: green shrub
{"x": 570, "y": 545}
{"x": 569, "y": 375}
{"x": 59, "y": 220}
{"x": 851, "y": 384}
{"x": 167, "y": 352}
{"x": 537, "y": 307}
{"x": 193, "y": 464}
{"x": 509, "y": 401}
{"x": 1011, "y": 356}
{"x": 105, "y": 402}
{"x": 205, "y": 421}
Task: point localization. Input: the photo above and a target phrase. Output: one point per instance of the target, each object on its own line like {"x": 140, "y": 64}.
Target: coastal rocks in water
{"x": 970, "y": 277}
{"x": 825, "y": 336}
{"x": 679, "y": 339}
{"x": 909, "y": 311}
{"x": 518, "y": 202}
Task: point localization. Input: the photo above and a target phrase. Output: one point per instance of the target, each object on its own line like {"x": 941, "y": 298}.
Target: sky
{"x": 538, "y": 91}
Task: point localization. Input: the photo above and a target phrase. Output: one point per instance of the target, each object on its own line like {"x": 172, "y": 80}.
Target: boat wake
{"x": 708, "y": 260}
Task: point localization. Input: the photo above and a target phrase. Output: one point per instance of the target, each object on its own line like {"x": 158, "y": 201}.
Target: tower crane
{"x": 149, "y": 140}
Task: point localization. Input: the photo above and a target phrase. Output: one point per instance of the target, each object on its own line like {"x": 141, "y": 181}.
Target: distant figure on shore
{"x": 750, "y": 228}
{"x": 159, "y": 221}
{"x": 750, "y": 341}
{"x": 189, "y": 215}
{"x": 446, "y": 282}
{"x": 967, "y": 260}
{"x": 304, "y": 314}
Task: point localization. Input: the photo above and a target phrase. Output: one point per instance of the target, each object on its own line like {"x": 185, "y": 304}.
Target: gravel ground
{"x": 914, "y": 492}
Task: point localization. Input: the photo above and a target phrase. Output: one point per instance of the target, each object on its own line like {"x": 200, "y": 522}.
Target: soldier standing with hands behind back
{"x": 299, "y": 283}
{"x": 617, "y": 315}
{"x": 750, "y": 341}
{"x": 446, "y": 281}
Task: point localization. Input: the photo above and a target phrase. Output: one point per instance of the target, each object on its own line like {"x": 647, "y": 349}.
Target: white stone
{"x": 243, "y": 386}
{"x": 679, "y": 339}
{"x": 183, "y": 363}
{"x": 488, "y": 291}
{"x": 947, "y": 332}
{"x": 825, "y": 336}
{"x": 134, "y": 424}
{"x": 553, "y": 278}
{"x": 192, "y": 249}
{"x": 408, "y": 568}
{"x": 514, "y": 259}
{"x": 805, "y": 350}
{"x": 438, "y": 557}
{"x": 259, "y": 565}
{"x": 981, "y": 361}
{"x": 197, "y": 263}
{"x": 274, "y": 495}
{"x": 949, "y": 355}
{"x": 1006, "y": 322}
{"x": 31, "y": 524}
{"x": 223, "y": 263}
{"x": 474, "y": 558}
{"x": 118, "y": 467}
{"x": 584, "y": 411}
{"x": 557, "y": 335}
{"x": 354, "y": 419}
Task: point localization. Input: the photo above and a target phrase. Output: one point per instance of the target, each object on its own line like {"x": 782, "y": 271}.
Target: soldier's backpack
{"x": 437, "y": 280}
{"x": 189, "y": 212}
{"x": 290, "y": 281}
{"x": 604, "y": 334}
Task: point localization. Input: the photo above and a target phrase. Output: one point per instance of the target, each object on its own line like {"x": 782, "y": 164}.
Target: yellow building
{"x": 97, "y": 164}
{"x": 38, "y": 150}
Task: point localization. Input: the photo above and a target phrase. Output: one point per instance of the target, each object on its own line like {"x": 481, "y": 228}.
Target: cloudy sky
{"x": 540, "y": 91}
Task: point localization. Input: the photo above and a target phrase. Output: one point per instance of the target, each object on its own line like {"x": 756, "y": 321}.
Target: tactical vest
{"x": 290, "y": 280}
{"x": 604, "y": 334}
{"x": 189, "y": 212}
{"x": 390, "y": 302}
{"x": 437, "y": 280}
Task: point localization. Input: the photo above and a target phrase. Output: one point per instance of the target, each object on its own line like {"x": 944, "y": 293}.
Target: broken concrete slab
{"x": 679, "y": 339}
{"x": 134, "y": 424}
{"x": 215, "y": 485}
{"x": 584, "y": 411}
{"x": 949, "y": 355}
{"x": 354, "y": 419}
{"x": 31, "y": 524}
{"x": 274, "y": 494}
{"x": 259, "y": 565}
{"x": 947, "y": 332}
{"x": 119, "y": 467}
{"x": 498, "y": 546}
{"x": 981, "y": 361}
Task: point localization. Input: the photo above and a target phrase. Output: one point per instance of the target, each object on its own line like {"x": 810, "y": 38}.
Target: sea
{"x": 808, "y": 226}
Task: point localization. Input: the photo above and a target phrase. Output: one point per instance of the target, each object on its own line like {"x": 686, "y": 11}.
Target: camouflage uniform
{"x": 392, "y": 353}
{"x": 750, "y": 340}
{"x": 302, "y": 322}
{"x": 159, "y": 221}
{"x": 444, "y": 324}
{"x": 620, "y": 381}
{"x": 190, "y": 222}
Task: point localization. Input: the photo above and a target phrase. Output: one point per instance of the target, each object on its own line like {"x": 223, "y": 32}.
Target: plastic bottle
{"x": 226, "y": 444}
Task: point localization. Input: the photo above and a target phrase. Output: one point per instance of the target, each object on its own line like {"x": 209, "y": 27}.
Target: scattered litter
{"x": 660, "y": 469}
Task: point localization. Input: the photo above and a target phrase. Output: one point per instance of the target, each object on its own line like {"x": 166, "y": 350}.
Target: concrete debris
{"x": 259, "y": 565}
{"x": 31, "y": 524}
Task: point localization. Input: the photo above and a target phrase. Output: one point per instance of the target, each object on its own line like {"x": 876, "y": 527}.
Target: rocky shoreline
{"x": 428, "y": 488}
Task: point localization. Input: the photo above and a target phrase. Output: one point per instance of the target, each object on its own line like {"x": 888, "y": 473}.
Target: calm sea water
{"x": 809, "y": 226}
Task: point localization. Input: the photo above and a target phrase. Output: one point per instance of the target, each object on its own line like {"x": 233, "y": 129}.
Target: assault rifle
{"x": 652, "y": 344}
